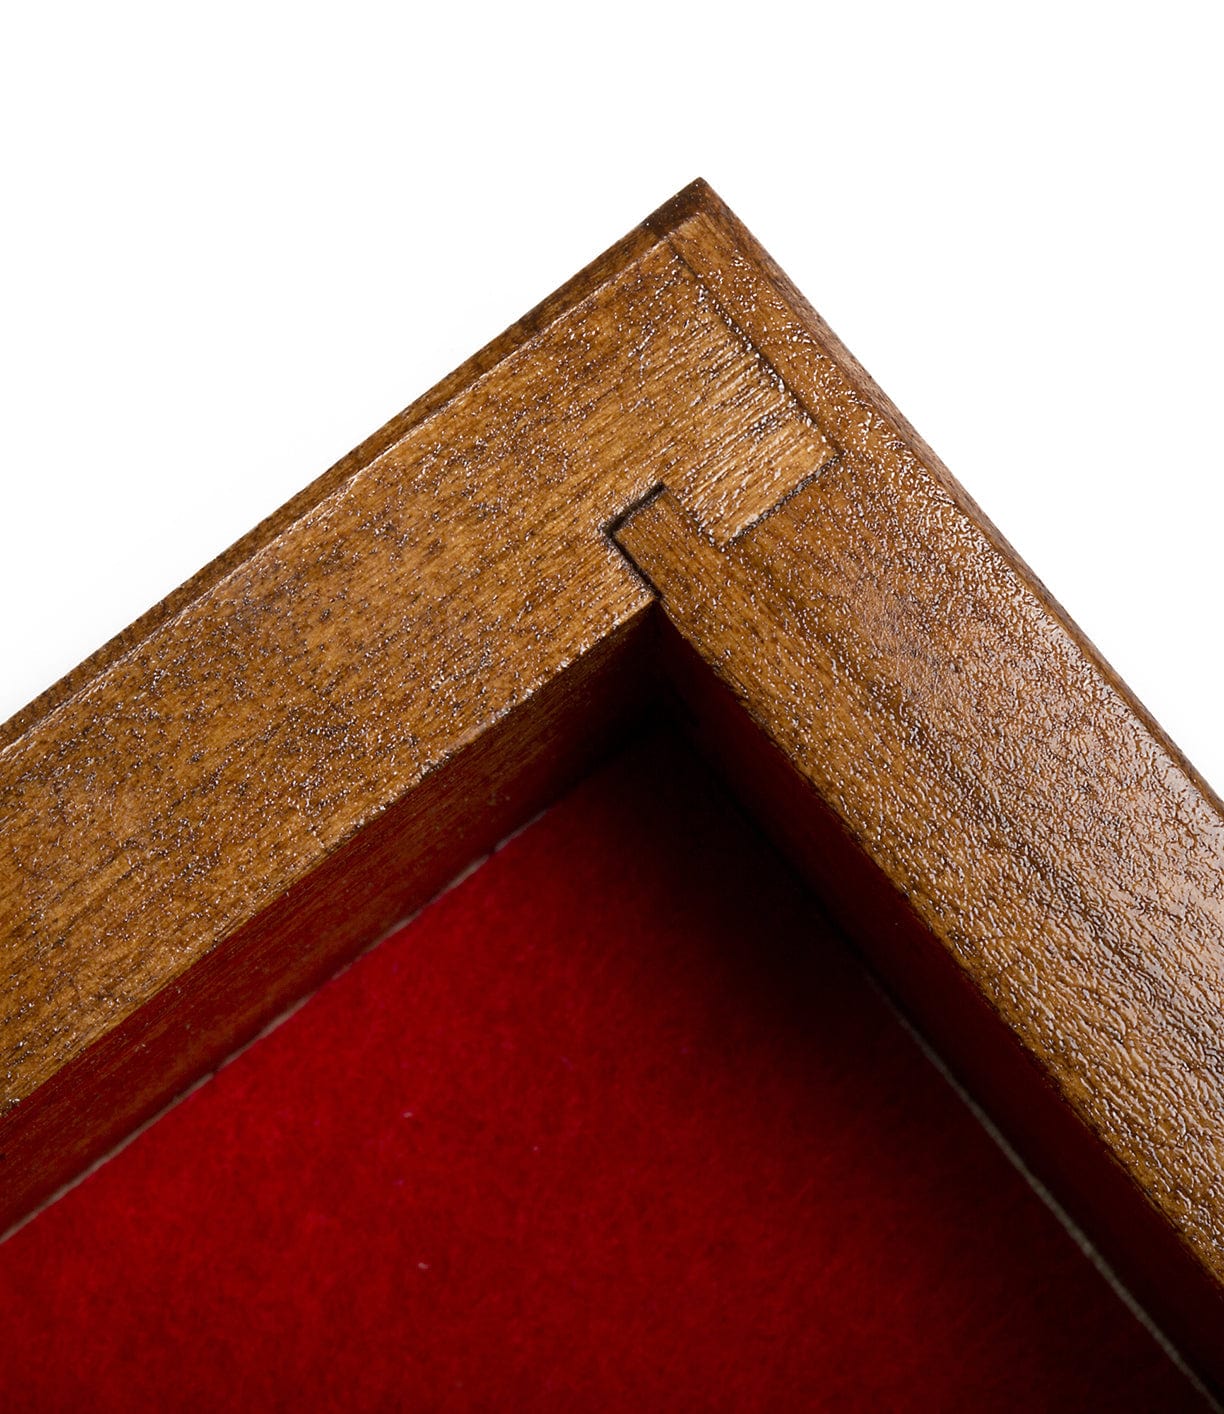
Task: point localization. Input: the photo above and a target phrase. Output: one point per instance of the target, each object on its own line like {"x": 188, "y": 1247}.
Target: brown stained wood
{"x": 319, "y": 729}
{"x": 929, "y": 724}
{"x": 1000, "y": 783}
{"x": 317, "y": 681}
{"x": 378, "y": 877}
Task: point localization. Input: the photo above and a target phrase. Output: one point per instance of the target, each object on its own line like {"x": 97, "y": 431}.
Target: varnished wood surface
{"x": 318, "y": 730}
{"x": 999, "y": 780}
{"x": 225, "y": 748}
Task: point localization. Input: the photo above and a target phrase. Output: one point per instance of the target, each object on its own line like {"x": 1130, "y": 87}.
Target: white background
{"x": 235, "y": 238}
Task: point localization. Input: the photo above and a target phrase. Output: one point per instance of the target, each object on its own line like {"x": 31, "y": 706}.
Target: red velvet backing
{"x": 615, "y": 1124}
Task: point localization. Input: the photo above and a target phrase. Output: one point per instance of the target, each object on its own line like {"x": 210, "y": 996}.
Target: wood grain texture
{"x": 1000, "y": 783}
{"x": 974, "y": 746}
{"x": 319, "y": 729}
{"x": 226, "y": 748}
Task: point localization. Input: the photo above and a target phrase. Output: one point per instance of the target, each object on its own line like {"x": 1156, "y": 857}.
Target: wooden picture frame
{"x": 669, "y": 483}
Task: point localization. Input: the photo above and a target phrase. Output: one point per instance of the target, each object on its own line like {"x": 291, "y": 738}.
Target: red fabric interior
{"x": 615, "y": 1124}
